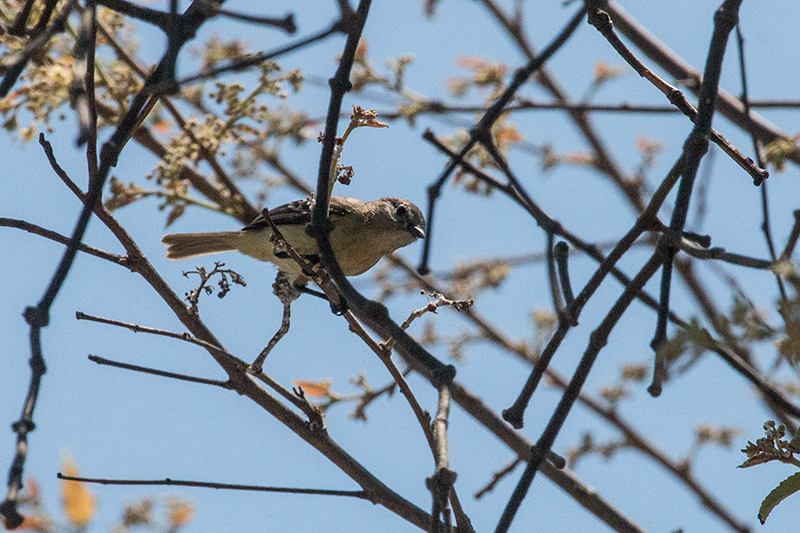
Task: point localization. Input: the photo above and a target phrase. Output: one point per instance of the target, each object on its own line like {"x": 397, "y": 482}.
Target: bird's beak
{"x": 417, "y": 231}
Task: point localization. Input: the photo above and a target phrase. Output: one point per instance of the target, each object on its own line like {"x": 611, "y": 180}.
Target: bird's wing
{"x": 298, "y": 212}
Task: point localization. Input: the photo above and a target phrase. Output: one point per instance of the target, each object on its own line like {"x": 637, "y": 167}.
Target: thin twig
{"x": 213, "y": 485}
{"x": 765, "y": 224}
{"x": 552, "y": 275}
{"x": 383, "y": 350}
{"x": 793, "y": 236}
{"x": 251, "y": 61}
{"x": 433, "y": 107}
{"x": 561, "y": 255}
{"x": 286, "y": 23}
{"x": 57, "y": 237}
{"x": 720, "y": 254}
{"x": 286, "y": 293}
{"x": 497, "y": 477}
{"x": 155, "y": 372}
{"x": 145, "y": 14}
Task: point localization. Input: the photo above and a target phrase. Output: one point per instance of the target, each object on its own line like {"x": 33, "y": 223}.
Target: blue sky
{"x": 119, "y": 424}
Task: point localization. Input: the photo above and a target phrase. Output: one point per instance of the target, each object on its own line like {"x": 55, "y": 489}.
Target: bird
{"x": 363, "y": 232}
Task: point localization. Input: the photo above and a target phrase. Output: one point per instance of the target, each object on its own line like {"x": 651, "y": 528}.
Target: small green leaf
{"x": 700, "y": 336}
{"x": 778, "y": 150}
{"x": 795, "y": 444}
{"x": 786, "y": 488}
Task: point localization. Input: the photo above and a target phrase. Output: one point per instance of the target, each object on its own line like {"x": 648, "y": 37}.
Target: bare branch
{"x": 214, "y": 485}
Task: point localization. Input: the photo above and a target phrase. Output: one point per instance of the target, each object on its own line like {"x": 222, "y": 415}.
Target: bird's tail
{"x": 187, "y": 245}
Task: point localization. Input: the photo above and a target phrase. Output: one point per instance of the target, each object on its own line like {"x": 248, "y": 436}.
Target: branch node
{"x": 36, "y": 317}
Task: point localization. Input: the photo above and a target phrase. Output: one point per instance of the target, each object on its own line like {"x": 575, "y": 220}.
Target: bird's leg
{"x": 305, "y": 290}
{"x": 337, "y": 310}
{"x": 286, "y": 292}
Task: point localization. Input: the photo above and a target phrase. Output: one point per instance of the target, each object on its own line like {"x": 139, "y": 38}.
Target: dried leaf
{"x": 315, "y": 389}
{"x": 180, "y": 513}
{"x": 77, "y": 499}
{"x": 175, "y": 213}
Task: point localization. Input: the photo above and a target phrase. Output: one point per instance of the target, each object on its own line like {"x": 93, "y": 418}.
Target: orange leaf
{"x": 180, "y": 513}
{"x": 32, "y": 490}
{"x": 470, "y": 62}
{"x": 361, "y": 51}
{"x": 161, "y": 126}
{"x": 77, "y": 499}
{"x": 648, "y": 145}
{"x": 508, "y": 135}
{"x": 10, "y": 101}
{"x": 315, "y": 389}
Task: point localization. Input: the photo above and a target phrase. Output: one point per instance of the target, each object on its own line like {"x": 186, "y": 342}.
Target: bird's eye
{"x": 401, "y": 211}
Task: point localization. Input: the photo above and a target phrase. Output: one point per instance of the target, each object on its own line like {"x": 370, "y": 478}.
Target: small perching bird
{"x": 362, "y": 233}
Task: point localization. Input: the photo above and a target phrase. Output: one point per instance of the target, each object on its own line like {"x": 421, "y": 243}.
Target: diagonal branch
{"x": 600, "y": 20}
{"x": 483, "y": 128}
{"x": 726, "y": 104}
